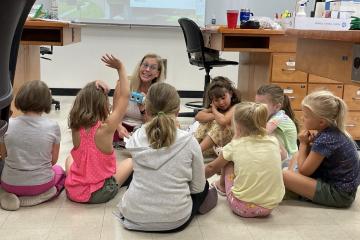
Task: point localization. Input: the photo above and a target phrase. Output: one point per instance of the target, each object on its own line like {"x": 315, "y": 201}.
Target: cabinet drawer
{"x": 283, "y": 69}
{"x": 352, "y": 96}
{"x": 336, "y": 89}
{"x": 317, "y": 79}
{"x": 296, "y": 92}
{"x": 353, "y": 124}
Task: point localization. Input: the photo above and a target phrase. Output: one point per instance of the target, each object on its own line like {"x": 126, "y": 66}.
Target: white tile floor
{"x": 62, "y": 219}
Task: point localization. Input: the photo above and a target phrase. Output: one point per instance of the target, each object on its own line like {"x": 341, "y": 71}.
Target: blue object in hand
{"x": 137, "y": 97}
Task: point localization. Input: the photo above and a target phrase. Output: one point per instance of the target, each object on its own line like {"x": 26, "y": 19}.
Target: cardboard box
{"x": 322, "y": 24}
{"x": 350, "y": 8}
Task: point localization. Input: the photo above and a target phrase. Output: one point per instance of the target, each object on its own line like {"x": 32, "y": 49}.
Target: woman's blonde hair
{"x": 251, "y": 118}
{"x": 326, "y": 105}
{"x": 90, "y": 106}
{"x": 135, "y": 78}
{"x": 162, "y": 103}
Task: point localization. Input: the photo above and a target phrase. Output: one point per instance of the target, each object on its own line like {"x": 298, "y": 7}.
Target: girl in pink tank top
{"x": 93, "y": 175}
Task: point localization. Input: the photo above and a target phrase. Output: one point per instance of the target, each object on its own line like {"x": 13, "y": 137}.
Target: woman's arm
{"x": 223, "y": 119}
{"x": 55, "y": 153}
{"x": 205, "y": 116}
{"x": 215, "y": 166}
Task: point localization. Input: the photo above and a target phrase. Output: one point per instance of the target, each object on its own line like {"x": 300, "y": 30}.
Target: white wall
{"x": 74, "y": 65}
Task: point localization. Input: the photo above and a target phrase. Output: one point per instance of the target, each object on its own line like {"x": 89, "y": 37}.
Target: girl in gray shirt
{"x": 31, "y": 149}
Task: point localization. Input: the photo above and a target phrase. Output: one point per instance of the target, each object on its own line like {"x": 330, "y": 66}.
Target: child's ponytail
{"x": 286, "y": 106}
{"x": 161, "y": 130}
{"x": 162, "y": 105}
{"x": 341, "y": 116}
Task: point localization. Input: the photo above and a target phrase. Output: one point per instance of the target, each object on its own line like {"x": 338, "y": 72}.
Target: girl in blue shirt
{"x": 328, "y": 162}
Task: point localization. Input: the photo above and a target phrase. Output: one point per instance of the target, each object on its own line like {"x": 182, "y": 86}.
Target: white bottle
{"x": 301, "y": 11}
{"x": 54, "y": 9}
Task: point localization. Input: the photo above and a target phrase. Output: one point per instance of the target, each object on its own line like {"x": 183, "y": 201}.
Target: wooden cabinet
{"x": 283, "y": 69}
{"x": 298, "y": 117}
{"x": 352, "y": 97}
{"x": 296, "y": 92}
{"x": 297, "y": 85}
{"x": 353, "y": 124}
{"x": 336, "y": 89}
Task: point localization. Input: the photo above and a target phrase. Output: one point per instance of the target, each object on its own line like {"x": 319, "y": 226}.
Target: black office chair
{"x": 49, "y": 51}
{"x": 13, "y": 15}
{"x": 200, "y": 56}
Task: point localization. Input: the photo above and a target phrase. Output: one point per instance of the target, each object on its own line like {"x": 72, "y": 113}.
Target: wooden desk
{"x": 257, "y": 51}
{"x": 330, "y": 54}
{"x": 326, "y": 53}
{"x": 38, "y": 33}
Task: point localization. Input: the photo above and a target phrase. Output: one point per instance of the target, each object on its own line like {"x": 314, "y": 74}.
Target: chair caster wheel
{"x": 57, "y": 106}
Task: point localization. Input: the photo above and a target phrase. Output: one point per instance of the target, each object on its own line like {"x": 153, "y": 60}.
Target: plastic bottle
{"x": 54, "y": 9}
{"x": 213, "y": 20}
{"x": 301, "y": 11}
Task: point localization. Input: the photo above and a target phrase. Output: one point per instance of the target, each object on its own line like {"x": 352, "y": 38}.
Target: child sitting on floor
{"x": 169, "y": 185}
{"x": 327, "y": 162}
{"x": 215, "y": 120}
{"x": 252, "y": 176}
{"x": 281, "y": 119}
{"x": 31, "y": 149}
{"x": 93, "y": 175}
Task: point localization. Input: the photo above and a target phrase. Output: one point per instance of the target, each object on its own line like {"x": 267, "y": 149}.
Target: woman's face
{"x": 149, "y": 70}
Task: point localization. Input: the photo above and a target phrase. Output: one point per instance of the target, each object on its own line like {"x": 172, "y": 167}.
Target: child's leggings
{"x": 241, "y": 208}
{"x": 58, "y": 181}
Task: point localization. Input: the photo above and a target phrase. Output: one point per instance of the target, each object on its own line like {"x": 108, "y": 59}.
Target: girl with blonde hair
{"x": 250, "y": 164}
{"x": 328, "y": 162}
{"x": 169, "y": 185}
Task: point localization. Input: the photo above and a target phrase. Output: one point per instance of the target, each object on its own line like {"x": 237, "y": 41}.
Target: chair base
{"x": 57, "y": 104}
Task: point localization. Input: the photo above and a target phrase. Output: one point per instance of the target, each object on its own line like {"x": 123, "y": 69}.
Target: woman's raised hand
{"x": 111, "y": 61}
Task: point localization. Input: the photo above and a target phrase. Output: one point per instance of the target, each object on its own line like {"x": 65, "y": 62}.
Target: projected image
{"x": 142, "y": 12}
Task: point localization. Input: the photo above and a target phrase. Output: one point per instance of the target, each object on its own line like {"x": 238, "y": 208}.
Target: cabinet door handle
{"x": 350, "y": 125}
{"x": 291, "y": 97}
{"x": 356, "y": 98}
{"x": 288, "y": 69}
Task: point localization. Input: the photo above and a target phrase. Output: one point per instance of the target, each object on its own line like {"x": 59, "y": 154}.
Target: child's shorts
{"x": 328, "y": 195}
{"x": 106, "y": 193}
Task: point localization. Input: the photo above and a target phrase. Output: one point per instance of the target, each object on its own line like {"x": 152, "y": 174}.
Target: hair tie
{"x": 160, "y": 113}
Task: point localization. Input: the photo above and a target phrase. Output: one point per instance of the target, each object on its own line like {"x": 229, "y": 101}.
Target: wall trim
{"x": 74, "y": 91}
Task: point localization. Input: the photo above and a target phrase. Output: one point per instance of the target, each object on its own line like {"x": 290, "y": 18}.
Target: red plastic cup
{"x": 232, "y": 17}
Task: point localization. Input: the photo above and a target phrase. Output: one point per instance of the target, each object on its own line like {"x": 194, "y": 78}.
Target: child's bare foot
{"x": 220, "y": 189}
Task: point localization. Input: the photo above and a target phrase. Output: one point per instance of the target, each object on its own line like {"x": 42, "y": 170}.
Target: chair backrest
{"x": 193, "y": 37}
{"x": 13, "y": 14}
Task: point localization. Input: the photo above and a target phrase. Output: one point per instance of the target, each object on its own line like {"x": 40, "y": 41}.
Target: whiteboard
{"x": 163, "y": 12}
